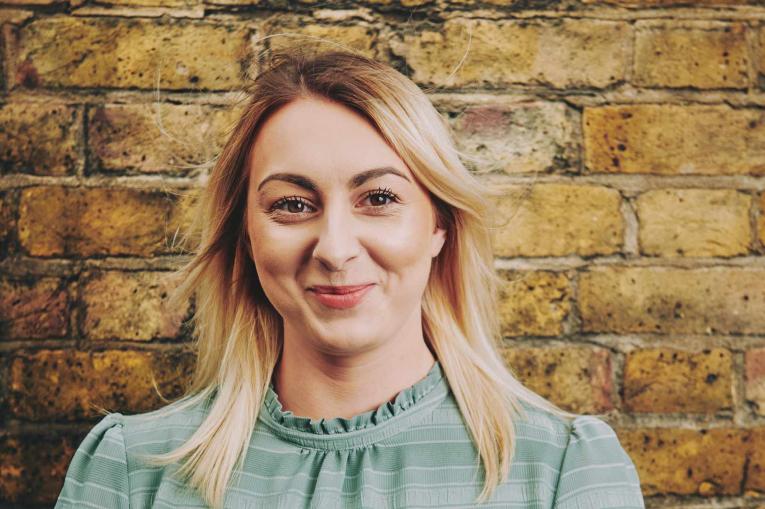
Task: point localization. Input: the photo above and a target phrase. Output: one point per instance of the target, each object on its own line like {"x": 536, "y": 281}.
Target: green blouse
{"x": 412, "y": 452}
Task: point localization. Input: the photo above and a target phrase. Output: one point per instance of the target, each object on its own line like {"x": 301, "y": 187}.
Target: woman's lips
{"x": 350, "y": 296}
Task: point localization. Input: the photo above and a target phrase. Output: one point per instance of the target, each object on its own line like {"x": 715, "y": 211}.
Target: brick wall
{"x": 627, "y": 137}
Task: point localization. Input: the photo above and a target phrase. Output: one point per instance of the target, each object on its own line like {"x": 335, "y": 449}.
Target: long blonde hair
{"x": 237, "y": 333}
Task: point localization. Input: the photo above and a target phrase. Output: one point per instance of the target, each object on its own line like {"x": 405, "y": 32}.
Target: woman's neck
{"x": 311, "y": 384}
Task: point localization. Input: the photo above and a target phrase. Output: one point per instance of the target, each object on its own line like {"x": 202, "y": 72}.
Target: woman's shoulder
{"x": 590, "y": 466}
{"x": 164, "y": 428}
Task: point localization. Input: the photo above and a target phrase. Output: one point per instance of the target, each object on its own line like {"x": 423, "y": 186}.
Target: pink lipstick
{"x": 340, "y": 297}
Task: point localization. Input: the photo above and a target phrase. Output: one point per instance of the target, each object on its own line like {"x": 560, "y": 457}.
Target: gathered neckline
{"x": 409, "y": 405}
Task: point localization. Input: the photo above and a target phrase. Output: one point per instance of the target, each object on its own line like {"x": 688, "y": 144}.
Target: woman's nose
{"x": 336, "y": 240}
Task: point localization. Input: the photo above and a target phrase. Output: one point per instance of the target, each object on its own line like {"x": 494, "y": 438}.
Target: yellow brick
{"x": 688, "y": 462}
{"x": 520, "y": 138}
{"x": 694, "y": 222}
{"x": 559, "y": 53}
{"x": 667, "y": 3}
{"x": 40, "y": 138}
{"x": 575, "y": 378}
{"x": 55, "y": 221}
{"x": 754, "y": 379}
{"x": 158, "y": 137}
{"x": 356, "y": 37}
{"x": 33, "y": 308}
{"x": 673, "y": 139}
{"x": 700, "y": 55}
{"x": 129, "y": 305}
{"x": 72, "y": 385}
{"x": 123, "y": 53}
{"x": 671, "y": 380}
{"x": 558, "y": 220}
{"x": 720, "y": 300}
{"x": 534, "y": 303}
{"x": 761, "y": 220}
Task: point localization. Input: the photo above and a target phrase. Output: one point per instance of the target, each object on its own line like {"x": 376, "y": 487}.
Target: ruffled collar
{"x": 409, "y": 405}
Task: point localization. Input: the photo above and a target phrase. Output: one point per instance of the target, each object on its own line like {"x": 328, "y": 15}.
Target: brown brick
{"x": 557, "y": 53}
{"x": 686, "y": 462}
{"x": 575, "y": 378}
{"x": 8, "y": 207}
{"x": 72, "y": 385}
{"x": 157, "y": 137}
{"x": 558, "y": 220}
{"x": 671, "y": 139}
{"x": 358, "y": 37}
{"x": 694, "y": 222}
{"x": 519, "y": 138}
{"x": 40, "y": 138}
{"x": 754, "y": 375}
{"x": 55, "y": 221}
{"x": 129, "y": 305}
{"x": 33, "y": 308}
{"x": 534, "y": 303}
{"x": 720, "y": 300}
{"x": 124, "y": 53}
{"x": 755, "y": 474}
{"x": 691, "y": 54}
{"x": 671, "y": 380}
{"x": 33, "y": 466}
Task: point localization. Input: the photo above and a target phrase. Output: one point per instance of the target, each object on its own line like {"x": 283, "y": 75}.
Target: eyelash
{"x": 299, "y": 199}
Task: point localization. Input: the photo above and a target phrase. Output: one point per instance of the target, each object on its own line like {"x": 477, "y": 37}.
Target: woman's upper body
{"x": 414, "y": 451}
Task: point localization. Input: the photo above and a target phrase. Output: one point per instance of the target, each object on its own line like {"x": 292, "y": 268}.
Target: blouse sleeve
{"x": 596, "y": 472}
{"x": 98, "y": 473}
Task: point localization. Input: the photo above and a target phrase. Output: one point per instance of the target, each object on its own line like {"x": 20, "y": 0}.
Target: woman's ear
{"x": 437, "y": 241}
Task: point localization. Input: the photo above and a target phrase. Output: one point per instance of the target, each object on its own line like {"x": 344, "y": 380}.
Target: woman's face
{"x": 331, "y": 203}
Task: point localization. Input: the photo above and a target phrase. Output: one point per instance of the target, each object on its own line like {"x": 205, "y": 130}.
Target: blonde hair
{"x": 237, "y": 332}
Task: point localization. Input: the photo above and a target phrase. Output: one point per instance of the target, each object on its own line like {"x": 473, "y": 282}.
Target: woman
{"x": 346, "y": 328}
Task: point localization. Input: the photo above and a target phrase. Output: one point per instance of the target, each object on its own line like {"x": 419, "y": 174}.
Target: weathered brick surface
{"x": 557, "y": 53}
{"x": 755, "y": 474}
{"x": 32, "y": 466}
{"x": 125, "y": 53}
{"x": 691, "y": 54}
{"x": 707, "y": 462}
{"x": 534, "y": 303}
{"x": 720, "y": 300}
{"x": 671, "y": 139}
{"x": 558, "y": 220}
{"x": 671, "y": 380}
{"x": 129, "y": 305}
{"x": 63, "y": 221}
{"x": 359, "y": 37}
{"x": 575, "y": 378}
{"x": 157, "y": 137}
{"x": 66, "y": 385}
{"x": 8, "y": 206}
{"x": 761, "y": 219}
{"x": 694, "y": 222}
{"x": 32, "y": 308}
{"x": 519, "y": 138}
{"x": 671, "y": 3}
{"x": 754, "y": 379}
{"x": 40, "y": 138}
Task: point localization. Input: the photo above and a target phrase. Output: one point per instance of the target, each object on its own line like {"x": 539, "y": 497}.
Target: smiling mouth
{"x": 338, "y": 290}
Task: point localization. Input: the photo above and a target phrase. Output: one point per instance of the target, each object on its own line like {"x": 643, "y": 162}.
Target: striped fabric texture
{"x": 412, "y": 452}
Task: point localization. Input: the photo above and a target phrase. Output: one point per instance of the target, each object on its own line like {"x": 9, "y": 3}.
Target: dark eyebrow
{"x": 355, "y": 181}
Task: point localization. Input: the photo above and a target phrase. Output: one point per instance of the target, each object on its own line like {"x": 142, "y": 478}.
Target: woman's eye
{"x": 295, "y": 205}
